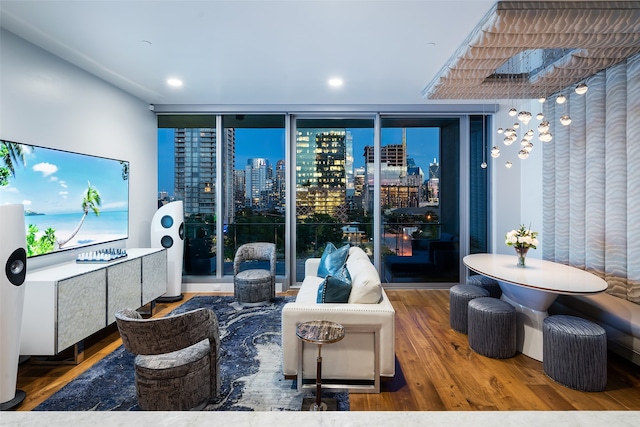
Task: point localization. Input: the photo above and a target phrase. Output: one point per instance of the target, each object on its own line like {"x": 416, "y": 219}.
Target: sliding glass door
{"x": 419, "y": 199}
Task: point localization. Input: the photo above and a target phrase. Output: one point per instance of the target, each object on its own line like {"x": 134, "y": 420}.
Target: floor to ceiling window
{"x": 329, "y": 186}
{"x": 387, "y": 183}
{"x": 254, "y": 182}
{"x": 187, "y": 172}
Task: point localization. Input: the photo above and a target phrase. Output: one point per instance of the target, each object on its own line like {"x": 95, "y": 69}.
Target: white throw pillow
{"x": 365, "y": 281}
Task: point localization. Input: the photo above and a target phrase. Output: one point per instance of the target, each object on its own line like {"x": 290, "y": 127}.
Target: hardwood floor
{"x": 435, "y": 370}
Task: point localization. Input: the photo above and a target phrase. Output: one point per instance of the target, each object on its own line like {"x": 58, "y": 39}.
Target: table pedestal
{"x": 318, "y": 332}
{"x": 531, "y": 310}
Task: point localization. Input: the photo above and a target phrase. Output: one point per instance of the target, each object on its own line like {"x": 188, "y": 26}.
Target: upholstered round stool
{"x": 492, "y": 328}
{"x": 486, "y": 283}
{"x": 574, "y": 352}
{"x": 253, "y": 287}
{"x": 459, "y": 297}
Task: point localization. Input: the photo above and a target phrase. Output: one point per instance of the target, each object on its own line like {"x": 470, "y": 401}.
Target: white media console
{"x": 66, "y": 303}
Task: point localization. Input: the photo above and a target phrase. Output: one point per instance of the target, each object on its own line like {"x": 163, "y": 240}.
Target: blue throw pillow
{"x": 332, "y": 260}
{"x": 333, "y": 289}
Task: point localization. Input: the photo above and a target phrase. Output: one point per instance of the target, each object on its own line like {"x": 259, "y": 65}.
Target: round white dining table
{"x": 532, "y": 289}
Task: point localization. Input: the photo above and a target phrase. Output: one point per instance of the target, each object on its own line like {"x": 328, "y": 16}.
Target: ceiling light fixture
{"x": 335, "y": 82}
{"x": 561, "y": 99}
{"x": 174, "y": 82}
{"x": 582, "y": 88}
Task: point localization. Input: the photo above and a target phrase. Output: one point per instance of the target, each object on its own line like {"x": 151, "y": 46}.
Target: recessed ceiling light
{"x": 335, "y": 82}
{"x": 174, "y": 82}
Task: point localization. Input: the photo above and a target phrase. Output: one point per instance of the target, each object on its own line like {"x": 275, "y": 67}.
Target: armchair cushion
{"x": 332, "y": 260}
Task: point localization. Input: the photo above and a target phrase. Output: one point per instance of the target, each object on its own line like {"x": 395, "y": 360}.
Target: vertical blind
{"x": 591, "y": 194}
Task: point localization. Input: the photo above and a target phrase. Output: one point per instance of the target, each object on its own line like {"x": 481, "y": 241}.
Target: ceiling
{"x": 284, "y": 52}
{"x": 253, "y": 52}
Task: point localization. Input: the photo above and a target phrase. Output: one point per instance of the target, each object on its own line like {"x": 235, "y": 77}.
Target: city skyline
{"x": 422, "y": 147}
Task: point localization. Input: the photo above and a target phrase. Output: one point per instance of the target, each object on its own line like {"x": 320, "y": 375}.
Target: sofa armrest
{"x": 381, "y": 314}
{"x": 311, "y": 267}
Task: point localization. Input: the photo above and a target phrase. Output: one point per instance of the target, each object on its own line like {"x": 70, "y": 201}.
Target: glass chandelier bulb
{"x": 483, "y": 165}
{"x": 500, "y": 130}
{"x": 516, "y": 125}
{"x": 508, "y": 164}
{"x": 539, "y": 116}
{"x": 508, "y": 140}
{"x": 495, "y": 152}
{"x": 544, "y": 126}
{"x": 565, "y": 120}
{"x": 542, "y": 99}
{"x": 528, "y": 147}
{"x": 545, "y": 136}
{"x": 582, "y": 88}
{"x": 523, "y": 154}
{"x": 521, "y": 115}
{"x": 513, "y": 112}
{"x": 561, "y": 99}
{"x": 527, "y": 118}
{"x": 509, "y": 132}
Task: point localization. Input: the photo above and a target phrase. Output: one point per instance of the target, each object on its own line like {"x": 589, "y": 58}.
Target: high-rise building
{"x": 322, "y": 178}
{"x": 195, "y": 170}
{"x": 280, "y": 187}
{"x": 258, "y": 183}
{"x": 400, "y": 180}
{"x": 239, "y": 189}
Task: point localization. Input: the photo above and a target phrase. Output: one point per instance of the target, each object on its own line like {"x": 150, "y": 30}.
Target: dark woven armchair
{"x": 177, "y": 358}
{"x": 254, "y": 280}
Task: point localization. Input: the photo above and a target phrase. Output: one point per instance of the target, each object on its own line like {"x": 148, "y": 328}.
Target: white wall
{"x": 516, "y": 193}
{"x": 48, "y": 102}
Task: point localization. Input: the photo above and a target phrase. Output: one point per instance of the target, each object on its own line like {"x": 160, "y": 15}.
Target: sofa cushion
{"x": 332, "y": 259}
{"x": 332, "y": 289}
{"x": 365, "y": 281}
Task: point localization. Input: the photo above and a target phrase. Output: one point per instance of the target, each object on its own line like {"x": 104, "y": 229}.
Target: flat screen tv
{"x": 71, "y": 200}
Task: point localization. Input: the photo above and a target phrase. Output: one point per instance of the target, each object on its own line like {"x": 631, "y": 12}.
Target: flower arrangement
{"x": 522, "y": 238}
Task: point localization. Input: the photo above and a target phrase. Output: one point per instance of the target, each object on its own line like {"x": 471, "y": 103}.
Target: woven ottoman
{"x": 575, "y": 352}
{"x": 492, "y": 328}
{"x": 253, "y": 287}
{"x": 459, "y": 297}
{"x": 486, "y": 283}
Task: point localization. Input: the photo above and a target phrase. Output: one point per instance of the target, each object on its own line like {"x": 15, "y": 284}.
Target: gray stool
{"x": 459, "y": 297}
{"x": 486, "y": 283}
{"x": 492, "y": 328}
{"x": 253, "y": 287}
{"x": 574, "y": 352}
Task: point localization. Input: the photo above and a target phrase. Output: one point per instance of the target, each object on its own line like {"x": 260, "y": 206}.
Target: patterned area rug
{"x": 251, "y": 367}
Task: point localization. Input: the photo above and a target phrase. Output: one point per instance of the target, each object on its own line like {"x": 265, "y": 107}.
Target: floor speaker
{"x": 167, "y": 231}
{"x": 14, "y": 259}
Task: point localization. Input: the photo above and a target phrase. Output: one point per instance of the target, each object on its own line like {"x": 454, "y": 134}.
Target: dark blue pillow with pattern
{"x": 332, "y": 289}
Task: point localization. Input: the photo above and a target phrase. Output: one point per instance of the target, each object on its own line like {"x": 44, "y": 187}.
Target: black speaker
{"x": 14, "y": 256}
{"x": 167, "y": 231}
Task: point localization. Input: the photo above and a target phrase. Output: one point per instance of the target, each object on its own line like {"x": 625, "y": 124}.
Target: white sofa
{"x": 351, "y": 362}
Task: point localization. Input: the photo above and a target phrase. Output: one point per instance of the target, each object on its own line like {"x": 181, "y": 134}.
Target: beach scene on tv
{"x": 70, "y": 199}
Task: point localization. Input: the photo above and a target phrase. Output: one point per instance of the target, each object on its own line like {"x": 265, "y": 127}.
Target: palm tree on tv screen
{"x": 90, "y": 201}
{"x": 11, "y": 153}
